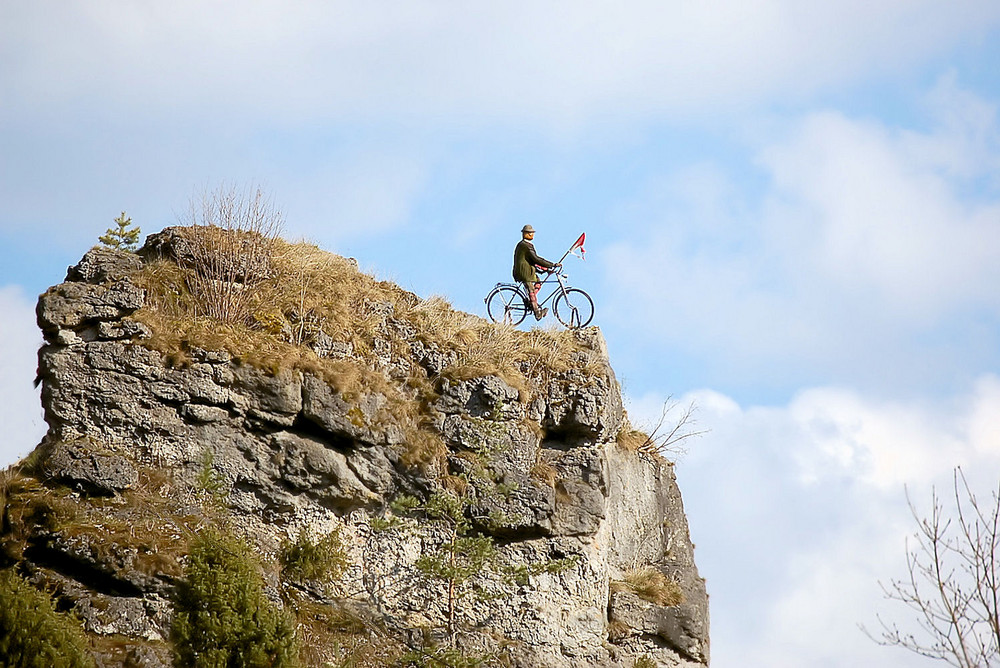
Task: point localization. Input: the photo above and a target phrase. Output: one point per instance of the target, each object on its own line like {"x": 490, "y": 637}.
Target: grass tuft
{"x": 649, "y": 584}
{"x": 544, "y": 471}
{"x": 337, "y": 635}
{"x": 618, "y": 630}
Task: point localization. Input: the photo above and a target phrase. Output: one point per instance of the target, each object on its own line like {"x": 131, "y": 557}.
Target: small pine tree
{"x": 122, "y": 237}
{"x": 222, "y": 617}
{"x": 33, "y": 634}
{"x": 461, "y": 558}
{"x": 458, "y": 564}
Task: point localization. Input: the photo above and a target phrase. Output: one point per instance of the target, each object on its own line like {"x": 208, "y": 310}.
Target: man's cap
{"x": 526, "y": 229}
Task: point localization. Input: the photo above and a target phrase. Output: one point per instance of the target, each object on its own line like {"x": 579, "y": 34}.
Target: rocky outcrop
{"x": 286, "y": 451}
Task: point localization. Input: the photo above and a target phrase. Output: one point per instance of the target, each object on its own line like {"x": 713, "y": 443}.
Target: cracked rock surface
{"x": 288, "y": 451}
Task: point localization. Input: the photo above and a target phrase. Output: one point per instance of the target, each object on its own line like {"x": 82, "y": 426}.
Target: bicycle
{"x": 509, "y": 304}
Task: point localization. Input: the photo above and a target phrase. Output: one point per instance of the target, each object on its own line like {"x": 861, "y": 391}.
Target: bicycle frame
{"x": 560, "y": 279}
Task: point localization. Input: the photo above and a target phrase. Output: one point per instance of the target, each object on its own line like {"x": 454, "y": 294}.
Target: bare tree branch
{"x": 670, "y": 440}
{"x": 952, "y": 588}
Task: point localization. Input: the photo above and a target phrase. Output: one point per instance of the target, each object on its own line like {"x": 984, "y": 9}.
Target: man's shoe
{"x": 541, "y": 313}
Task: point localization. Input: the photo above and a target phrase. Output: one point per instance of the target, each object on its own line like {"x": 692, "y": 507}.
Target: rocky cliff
{"x": 334, "y": 405}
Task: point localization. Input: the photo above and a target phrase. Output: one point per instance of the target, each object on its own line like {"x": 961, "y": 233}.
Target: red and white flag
{"x": 579, "y": 244}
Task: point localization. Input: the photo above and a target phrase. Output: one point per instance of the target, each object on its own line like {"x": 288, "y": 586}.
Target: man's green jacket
{"x": 525, "y": 259}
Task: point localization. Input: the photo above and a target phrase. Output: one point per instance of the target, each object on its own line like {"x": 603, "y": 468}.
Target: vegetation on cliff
{"x": 221, "y": 616}
{"x": 298, "y": 304}
{"x": 33, "y": 634}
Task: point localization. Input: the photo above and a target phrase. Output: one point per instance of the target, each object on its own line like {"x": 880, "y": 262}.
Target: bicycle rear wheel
{"x": 574, "y": 308}
{"x": 507, "y": 305}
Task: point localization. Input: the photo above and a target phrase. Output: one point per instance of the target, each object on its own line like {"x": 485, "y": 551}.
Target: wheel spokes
{"x": 574, "y": 309}
{"x": 508, "y": 309}
{"x": 504, "y": 307}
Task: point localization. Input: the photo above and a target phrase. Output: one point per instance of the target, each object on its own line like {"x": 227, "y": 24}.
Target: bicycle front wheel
{"x": 507, "y": 305}
{"x": 574, "y": 308}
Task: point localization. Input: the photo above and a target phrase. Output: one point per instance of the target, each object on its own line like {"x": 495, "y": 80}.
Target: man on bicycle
{"x": 526, "y": 260}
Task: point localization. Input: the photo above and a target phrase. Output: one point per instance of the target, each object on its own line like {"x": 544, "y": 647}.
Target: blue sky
{"x": 792, "y": 211}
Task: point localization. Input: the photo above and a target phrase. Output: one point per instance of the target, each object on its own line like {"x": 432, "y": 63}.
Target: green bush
{"x": 322, "y": 561}
{"x": 33, "y": 634}
{"x": 222, "y": 618}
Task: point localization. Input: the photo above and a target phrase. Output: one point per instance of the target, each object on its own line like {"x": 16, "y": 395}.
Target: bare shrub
{"x": 231, "y": 243}
{"x": 666, "y": 438}
{"x": 952, "y": 584}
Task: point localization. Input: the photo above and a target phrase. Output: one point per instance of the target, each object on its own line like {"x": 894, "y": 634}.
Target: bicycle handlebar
{"x": 554, "y": 271}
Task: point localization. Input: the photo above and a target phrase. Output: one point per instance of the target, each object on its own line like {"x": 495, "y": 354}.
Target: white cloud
{"x": 982, "y": 423}
{"x": 886, "y": 444}
{"x": 20, "y": 406}
{"x": 833, "y": 590}
{"x": 854, "y": 201}
{"x": 966, "y": 144}
{"x": 799, "y": 510}
{"x": 554, "y": 61}
{"x": 863, "y": 245}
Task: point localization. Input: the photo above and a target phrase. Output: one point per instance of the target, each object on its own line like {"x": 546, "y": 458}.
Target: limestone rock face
{"x": 288, "y": 451}
{"x": 81, "y": 466}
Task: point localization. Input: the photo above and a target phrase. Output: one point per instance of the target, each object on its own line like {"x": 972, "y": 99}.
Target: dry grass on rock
{"x": 310, "y": 302}
{"x": 649, "y": 584}
{"x": 147, "y": 521}
{"x": 336, "y": 636}
{"x": 544, "y": 471}
{"x": 634, "y": 440}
